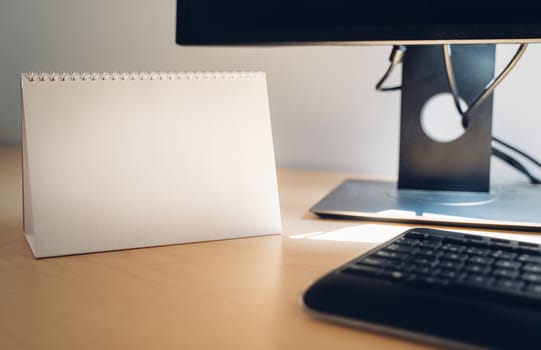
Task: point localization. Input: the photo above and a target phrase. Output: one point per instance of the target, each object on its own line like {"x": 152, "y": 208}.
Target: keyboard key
{"x": 536, "y": 268}
{"x": 528, "y": 250}
{"x": 530, "y": 258}
{"x": 507, "y": 264}
{"x": 456, "y": 240}
{"x": 427, "y": 281}
{"x": 479, "y": 244}
{"x": 502, "y": 244}
{"x": 415, "y": 235}
{"x": 529, "y": 245}
{"x": 483, "y": 280}
{"x": 501, "y": 254}
{"x": 400, "y": 265}
{"x": 374, "y": 261}
{"x": 448, "y": 274}
{"x": 480, "y": 260}
{"x": 391, "y": 255}
{"x": 393, "y": 274}
{"x": 507, "y": 273}
{"x": 478, "y": 269}
{"x": 477, "y": 251}
{"x": 454, "y": 256}
{"x": 435, "y": 237}
{"x": 473, "y": 237}
{"x": 425, "y": 261}
{"x": 451, "y": 264}
{"x": 431, "y": 244}
{"x": 453, "y": 248}
{"x": 499, "y": 240}
{"x": 531, "y": 277}
{"x": 408, "y": 241}
{"x": 363, "y": 270}
{"x": 423, "y": 270}
{"x": 534, "y": 288}
{"x": 509, "y": 284}
{"x": 428, "y": 253}
{"x": 403, "y": 248}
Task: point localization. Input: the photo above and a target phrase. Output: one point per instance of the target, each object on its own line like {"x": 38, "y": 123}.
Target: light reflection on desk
{"x": 379, "y": 233}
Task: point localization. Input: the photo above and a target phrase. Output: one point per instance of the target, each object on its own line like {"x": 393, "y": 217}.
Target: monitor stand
{"x": 442, "y": 183}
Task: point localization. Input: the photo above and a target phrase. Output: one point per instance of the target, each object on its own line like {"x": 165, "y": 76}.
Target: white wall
{"x": 325, "y": 113}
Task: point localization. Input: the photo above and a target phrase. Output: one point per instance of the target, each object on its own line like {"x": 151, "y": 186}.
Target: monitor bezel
{"x": 189, "y": 32}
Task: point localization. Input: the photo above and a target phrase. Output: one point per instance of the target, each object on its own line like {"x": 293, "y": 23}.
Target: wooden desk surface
{"x": 234, "y": 294}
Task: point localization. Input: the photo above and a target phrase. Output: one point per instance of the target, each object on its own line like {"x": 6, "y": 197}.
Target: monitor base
{"x": 509, "y": 207}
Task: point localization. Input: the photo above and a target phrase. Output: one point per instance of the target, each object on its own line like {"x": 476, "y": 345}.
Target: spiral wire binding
{"x": 123, "y": 76}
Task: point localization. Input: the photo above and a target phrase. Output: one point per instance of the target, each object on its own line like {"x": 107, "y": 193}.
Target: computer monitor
{"x": 447, "y": 48}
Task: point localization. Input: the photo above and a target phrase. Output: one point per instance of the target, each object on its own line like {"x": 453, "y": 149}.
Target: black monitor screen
{"x": 282, "y": 21}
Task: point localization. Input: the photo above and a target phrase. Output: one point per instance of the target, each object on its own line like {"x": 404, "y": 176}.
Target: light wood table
{"x": 234, "y": 294}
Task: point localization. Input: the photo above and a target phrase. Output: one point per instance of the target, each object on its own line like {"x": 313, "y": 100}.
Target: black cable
{"x": 395, "y": 58}
{"x": 487, "y": 91}
{"x": 515, "y": 164}
{"x": 522, "y": 153}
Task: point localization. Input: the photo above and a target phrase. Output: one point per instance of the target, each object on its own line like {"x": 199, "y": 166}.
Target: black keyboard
{"x": 453, "y": 288}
